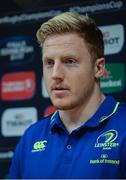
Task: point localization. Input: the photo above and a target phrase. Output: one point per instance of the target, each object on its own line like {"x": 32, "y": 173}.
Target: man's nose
{"x": 58, "y": 72}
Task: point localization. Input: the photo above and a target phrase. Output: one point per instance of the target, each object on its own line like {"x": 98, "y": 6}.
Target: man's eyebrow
{"x": 59, "y": 44}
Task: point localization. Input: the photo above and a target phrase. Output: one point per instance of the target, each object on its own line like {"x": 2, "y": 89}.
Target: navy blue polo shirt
{"x": 97, "y": 149}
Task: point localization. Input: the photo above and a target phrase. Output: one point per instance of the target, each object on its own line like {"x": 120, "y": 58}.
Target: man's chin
{"x": 59, "y": 107}
{"x": 63, "y": 106}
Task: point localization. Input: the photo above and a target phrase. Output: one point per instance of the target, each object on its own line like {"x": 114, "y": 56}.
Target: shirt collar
{"x": 108, "y": 107}
{"x": 55, "y": 121}
{"x": 106, "y": 110}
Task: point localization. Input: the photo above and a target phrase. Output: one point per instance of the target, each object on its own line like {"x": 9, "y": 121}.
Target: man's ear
{"x": 99, "y": 67}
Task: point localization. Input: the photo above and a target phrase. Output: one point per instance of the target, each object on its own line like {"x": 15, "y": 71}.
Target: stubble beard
{"x": 72, "y": 104}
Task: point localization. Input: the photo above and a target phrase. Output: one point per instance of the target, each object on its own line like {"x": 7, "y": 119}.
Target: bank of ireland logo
{"x": 106, "y": 140}
{"x": 39, "y": 146}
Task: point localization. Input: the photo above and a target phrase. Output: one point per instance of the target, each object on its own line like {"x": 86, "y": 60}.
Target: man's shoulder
{"x": 122, "y": 107}
{"x": 40, "y": 126}
{"x": 119, "y": 106}
{"x": 119, "y": 117}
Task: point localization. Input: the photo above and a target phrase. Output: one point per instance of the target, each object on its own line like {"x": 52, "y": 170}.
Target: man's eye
{"x": 70, "y": 61}
{"x": 49, "y": 62}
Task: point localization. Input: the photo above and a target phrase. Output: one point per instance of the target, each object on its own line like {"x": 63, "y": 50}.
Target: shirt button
{"x": 69, "y": 146}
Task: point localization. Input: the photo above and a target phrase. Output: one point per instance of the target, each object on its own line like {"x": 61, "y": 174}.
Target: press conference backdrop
{"x": 23, "y": 97}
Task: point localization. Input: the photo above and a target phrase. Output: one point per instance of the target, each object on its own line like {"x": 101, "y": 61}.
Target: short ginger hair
{"x": 72, "y": 22}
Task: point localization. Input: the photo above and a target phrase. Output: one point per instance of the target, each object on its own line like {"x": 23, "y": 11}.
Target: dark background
{"x": 19, "y": 21}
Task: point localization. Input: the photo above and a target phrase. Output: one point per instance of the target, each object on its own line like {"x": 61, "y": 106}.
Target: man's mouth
{"x": 60, "y": 90}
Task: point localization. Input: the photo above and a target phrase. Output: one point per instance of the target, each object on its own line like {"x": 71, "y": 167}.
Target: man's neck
{"x": 74, "y": 118}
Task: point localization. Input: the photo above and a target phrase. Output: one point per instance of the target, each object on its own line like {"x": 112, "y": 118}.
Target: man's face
{"x": 68, "y": 71}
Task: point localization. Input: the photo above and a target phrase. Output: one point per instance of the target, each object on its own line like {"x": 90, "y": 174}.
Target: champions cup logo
{"x": 107, "y": 140}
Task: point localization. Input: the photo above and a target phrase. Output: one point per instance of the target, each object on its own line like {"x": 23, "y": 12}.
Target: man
{"x": 86, "y": 136}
